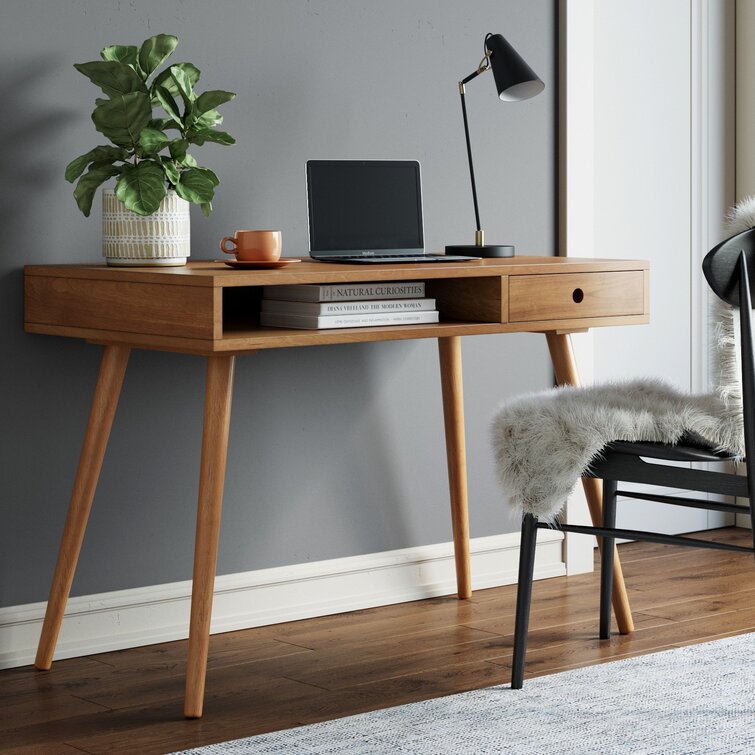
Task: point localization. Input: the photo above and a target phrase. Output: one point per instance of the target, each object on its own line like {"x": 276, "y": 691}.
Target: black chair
{"x": 729, "y": 269}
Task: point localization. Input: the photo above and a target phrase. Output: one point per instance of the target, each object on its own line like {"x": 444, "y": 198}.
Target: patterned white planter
{"x": 162, "y": 238}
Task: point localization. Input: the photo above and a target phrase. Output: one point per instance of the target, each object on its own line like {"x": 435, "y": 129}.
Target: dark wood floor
{"x": 280, "y": 676}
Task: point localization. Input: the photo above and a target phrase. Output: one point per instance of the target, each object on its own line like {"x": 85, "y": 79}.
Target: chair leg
{"x": 607, "y": 558}
{"x": 523, "y": 598}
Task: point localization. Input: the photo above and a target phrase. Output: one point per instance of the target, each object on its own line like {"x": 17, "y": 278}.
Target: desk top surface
{"x": 216, "y": 274}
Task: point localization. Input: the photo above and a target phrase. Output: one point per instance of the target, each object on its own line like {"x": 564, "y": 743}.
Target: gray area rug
{"x": 696, "y": 699}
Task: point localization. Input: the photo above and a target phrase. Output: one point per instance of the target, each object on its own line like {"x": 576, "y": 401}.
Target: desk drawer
{"x": 576, "y": 295}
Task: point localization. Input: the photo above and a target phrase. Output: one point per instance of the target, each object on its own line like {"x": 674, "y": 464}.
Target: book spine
{"x": 347, "y": 321}
{"x": 347, "y": 308}
{"x": 388, "y": 318}
{"x": 347, "y": 291}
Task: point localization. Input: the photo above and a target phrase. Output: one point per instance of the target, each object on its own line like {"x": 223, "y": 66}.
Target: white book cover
{"x": 346, "y": 291}
{"x": 283, "y": 307}
{"x": 316, "y": 322}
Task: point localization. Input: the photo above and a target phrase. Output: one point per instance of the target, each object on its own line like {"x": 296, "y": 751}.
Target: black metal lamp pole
{"x": 479, "y": 233}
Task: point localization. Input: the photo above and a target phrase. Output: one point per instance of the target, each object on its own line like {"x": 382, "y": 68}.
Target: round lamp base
{"x": 489, "y": 250}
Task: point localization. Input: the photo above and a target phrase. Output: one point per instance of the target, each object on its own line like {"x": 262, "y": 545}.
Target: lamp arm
{"x": 481, "y": 69}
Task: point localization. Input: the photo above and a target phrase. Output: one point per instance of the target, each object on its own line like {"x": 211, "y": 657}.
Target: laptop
{"x": 367, "y": 212}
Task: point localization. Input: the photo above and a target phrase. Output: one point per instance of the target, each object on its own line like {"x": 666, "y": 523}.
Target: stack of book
{"x": 359, "y": 305}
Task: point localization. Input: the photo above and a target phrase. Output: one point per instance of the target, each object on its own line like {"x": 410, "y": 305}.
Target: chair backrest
{"x": 729, "y": 269}
{"x": 721, "y": 265}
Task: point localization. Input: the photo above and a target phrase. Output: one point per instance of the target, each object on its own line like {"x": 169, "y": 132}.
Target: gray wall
{"x": 334, "y": 451}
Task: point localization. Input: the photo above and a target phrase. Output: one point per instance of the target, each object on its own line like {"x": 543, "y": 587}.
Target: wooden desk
{"x": 209, "y": 309}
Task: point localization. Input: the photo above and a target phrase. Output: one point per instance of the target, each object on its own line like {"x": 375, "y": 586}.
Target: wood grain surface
{"x": 306, "y": 671}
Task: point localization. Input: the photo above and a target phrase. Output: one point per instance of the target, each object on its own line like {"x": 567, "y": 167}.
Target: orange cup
{"x": 254, "y": 246}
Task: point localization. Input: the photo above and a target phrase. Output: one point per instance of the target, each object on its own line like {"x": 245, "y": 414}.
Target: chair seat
{"x": 686, "y": 450}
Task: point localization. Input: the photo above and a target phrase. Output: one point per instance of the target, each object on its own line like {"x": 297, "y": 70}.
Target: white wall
{"x": 663, "y": 123}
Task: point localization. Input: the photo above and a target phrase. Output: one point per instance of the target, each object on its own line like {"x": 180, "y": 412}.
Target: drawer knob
{"x": 578, "y": 295}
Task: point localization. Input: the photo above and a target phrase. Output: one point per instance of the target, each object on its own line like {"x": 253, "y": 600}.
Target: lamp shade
{"x": 514, "y": 79}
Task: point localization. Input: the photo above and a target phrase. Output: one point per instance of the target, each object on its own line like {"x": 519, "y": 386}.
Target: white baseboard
{"x": 160, "y": 613}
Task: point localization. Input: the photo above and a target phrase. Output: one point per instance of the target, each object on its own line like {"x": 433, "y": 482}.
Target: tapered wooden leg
{"x": 104, "y": 404}
{"x": 217, "y": 418}
{"x": 565, "y": 367}
{"x": 453, "y": 414}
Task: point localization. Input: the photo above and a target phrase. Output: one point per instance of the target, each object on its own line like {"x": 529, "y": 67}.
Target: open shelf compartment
{"x": 464, "y": 300}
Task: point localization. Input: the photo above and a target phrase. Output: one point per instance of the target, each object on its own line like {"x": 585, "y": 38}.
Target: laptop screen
{"x": 364, "y": 206}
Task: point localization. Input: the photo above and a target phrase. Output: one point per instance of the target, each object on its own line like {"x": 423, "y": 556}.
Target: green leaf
{"x": 195, "y": 185}
{"x": 211, "y": 99}
{"x": 212, "y": 176}
{"x": 151, "y": 140}
{"x": 121, "y": 54}
{"x": 162, "y": 123}
{"x": 155, "y": 50}
{"x": 165, "y": 79}
{"x": 189, "y": 161}
{"x": 219, "y": 137}
{"x": 185, "y": 89}
{"x": 206, "y": 209}
{"x": 171, "y": 170}
{"x": 123, "y": 118}
{"x": 178, "y": 149}
{"x": 169, "y": 104}
{"x": 112, "y": 77}
{"x": 89, "y": 183}
{"x": 207, "y": 120}
{"x": 98, "y": 154}
{"x": 141, "y": 187}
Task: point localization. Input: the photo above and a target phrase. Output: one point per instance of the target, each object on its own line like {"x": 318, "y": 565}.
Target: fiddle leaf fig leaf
{"x": 206, "y": 209}
{"x": 98, "y": 154}
{"x": 89, "y": 183}
{"x": 122, "y": 118}
{"x": 211, "y": 175}
{"x": 121, "y": 54}
{"x": 112, "y": 77}
{"x": 162, "y": 123}
{"x": 151, "y": 140}
{"x": 169, "y": 104}
{"x": 155, "y": 51}
{"x": 171, "y": 170}
{"x": 178, "y": 148}
{"x": 141, "y": 187}
{"x": 207, "y": 120}
{"x": 189, "y": 161}
{"x": 195, "y": 185}
{"x": 219, "y": 137}
{"x": 165, "y": 79}
{"x": 186, "y": 91}
{"x": 211, "y": 99}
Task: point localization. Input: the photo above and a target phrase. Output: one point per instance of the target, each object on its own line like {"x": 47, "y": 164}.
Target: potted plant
{"x": 146, "y": 216}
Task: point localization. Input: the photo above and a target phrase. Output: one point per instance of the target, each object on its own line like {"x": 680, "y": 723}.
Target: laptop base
{"x": 488, "y": 250}
{"x": 379, "y": 260}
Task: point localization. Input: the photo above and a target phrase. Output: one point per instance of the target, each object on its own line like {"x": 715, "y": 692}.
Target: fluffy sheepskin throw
{"x": 544, "y": 442}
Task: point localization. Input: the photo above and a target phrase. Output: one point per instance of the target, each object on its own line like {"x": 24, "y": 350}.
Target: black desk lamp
{"x": 515, "y": 81}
